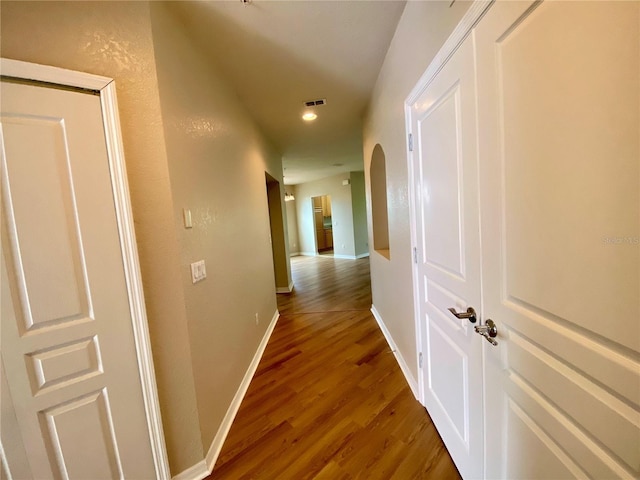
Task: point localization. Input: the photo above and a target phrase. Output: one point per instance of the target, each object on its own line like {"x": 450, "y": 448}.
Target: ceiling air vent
{"x": 315, "y": 103}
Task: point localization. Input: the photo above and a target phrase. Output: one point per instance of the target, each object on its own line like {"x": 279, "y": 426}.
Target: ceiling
{"x": 279, "y": 54}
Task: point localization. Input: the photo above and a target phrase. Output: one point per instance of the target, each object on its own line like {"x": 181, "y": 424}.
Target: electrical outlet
{"x": 257, "y": 319}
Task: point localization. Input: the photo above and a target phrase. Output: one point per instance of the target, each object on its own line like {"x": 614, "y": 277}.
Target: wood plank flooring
{"x": 325, "y": 284}
{"x": 328, "y": 400}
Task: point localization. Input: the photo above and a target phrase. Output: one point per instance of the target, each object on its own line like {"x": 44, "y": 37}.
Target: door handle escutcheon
{"x": 489, "y": 331}
{"x": 470, "y": 314}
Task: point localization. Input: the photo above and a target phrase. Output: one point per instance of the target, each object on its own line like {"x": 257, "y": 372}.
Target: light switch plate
{"x": 186, "y": 215}
{"x": 198, "y": 271}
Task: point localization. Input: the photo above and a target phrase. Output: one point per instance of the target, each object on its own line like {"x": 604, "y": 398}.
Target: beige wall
{"x": 292, "y": 223}
{"x": 217, "y": 162}
{"x": 423, "y": 28}
{"x": 359, "y": 206}
{"x": 341, "y": 214}
{"x": 279, "y": 244}
{"x": 187, "y": 144}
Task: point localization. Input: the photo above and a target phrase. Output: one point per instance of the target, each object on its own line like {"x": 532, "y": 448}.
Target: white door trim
{"x": 469, "y": 20}
{"x": 105, "y": 87}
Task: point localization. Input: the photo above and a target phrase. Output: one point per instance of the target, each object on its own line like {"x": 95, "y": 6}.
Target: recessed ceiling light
{"x": 309, "y": 116}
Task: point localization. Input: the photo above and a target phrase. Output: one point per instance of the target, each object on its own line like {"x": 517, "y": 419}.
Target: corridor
{"x": 328, "y": 399}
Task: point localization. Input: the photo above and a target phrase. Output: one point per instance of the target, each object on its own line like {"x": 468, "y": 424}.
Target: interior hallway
{"x": 328, "y": 399}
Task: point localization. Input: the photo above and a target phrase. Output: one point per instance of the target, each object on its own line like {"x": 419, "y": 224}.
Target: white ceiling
{"x": 279, "y": 54}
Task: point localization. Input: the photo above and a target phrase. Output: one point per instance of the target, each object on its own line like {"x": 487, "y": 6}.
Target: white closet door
{"x": 68, "y": 350}
{"x": 444, "y": 165}
{"x": 559, "y": 110}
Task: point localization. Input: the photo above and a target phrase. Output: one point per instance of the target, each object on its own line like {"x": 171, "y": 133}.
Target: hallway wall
{"x": 217, "y": 160}
{"x": 292, "y": 224}
{"x": 359, "y": 207}
{"x": 423, "y": 28}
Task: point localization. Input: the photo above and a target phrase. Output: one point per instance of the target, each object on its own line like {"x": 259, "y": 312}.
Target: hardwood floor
{"x": 328, "y": 400}
{"x": 325, "y": 284}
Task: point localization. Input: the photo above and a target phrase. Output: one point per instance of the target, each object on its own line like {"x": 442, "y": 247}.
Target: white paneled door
{"x": 443, "y": 123}
{"x": 74, "y": 406}
{"x": 532, "y": 216}
{"x": 559, "y": 103}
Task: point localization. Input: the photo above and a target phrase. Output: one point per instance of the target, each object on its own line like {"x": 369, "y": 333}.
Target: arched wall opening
{"x": 379, "y": 211}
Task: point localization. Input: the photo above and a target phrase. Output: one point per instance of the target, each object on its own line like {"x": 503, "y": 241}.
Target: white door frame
{"x": 459, "y": 34}
{"x": 106, "y": 89}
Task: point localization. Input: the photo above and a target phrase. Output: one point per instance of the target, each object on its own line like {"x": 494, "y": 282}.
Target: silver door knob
{"x": 470, "y": 314}
{"x": 489, "y": 331}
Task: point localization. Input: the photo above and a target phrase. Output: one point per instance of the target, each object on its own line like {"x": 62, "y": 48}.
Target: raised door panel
{"x": 54, "y": 287}
{"x": 560, "y": 158}
{"x": 80, "y": 430}
{"x": 570, "y": 141}
{"x": 13, "y": 447}
{"x": 441, "y": 176}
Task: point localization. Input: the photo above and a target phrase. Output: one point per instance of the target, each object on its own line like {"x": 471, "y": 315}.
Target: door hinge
{"x": 410, "y": 142}
{"x": 420, "y": 360}
{"x": 415, "y": 255}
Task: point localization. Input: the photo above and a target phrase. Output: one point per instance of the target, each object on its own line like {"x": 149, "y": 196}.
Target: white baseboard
{"x": 345, "y": 257}
{"x": 288, "y": 289}
{"x": 352, "y": 257}
{"x": 195, "y": 472}
{"x": 204, "y": 467}
{"x": 294, "y": 254}
{"x": 223, "y": 431}
{"x": 413, "y": 384}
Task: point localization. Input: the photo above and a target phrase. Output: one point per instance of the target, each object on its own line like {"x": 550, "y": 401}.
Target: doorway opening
{"x": 323, "y": 225}
{"x": 281, "y": 266}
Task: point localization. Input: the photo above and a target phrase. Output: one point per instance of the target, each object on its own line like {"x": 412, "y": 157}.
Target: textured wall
{"x": 217, "y": 161}
{"x": 423, "y": 28}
